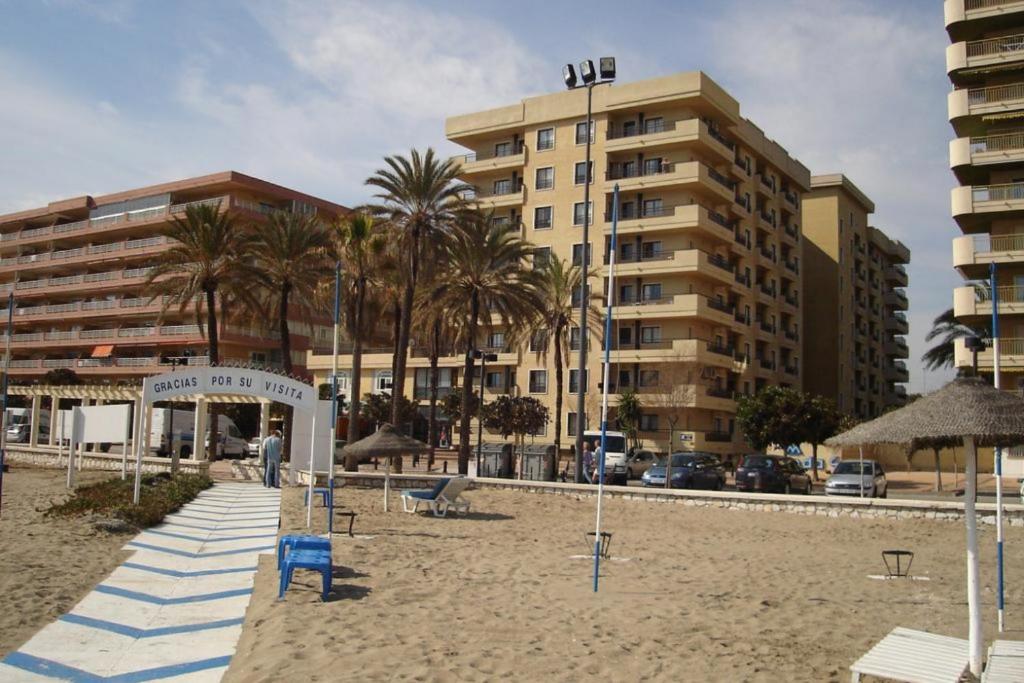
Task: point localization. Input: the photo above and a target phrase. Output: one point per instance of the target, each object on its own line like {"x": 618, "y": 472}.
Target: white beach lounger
{"x": 1005, "y": 662}
{"x": 915, "y": 657}
{"x": 440, "y": 499}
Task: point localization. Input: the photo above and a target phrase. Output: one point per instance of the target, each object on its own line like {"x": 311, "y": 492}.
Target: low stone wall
{"x": 46, "y": 457}
{"x": 822, "y": 506}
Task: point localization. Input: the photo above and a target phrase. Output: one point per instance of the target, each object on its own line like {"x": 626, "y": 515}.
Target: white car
{"x": 616, "y": 471}
{"x": 253, "y": 447}
{"x": 857, "y": 478}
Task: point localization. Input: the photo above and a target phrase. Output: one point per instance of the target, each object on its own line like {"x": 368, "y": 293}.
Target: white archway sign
{"x": 212, "y": 381}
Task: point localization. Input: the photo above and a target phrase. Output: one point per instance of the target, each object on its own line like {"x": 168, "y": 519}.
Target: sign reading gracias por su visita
{"x": 238, "y": 381}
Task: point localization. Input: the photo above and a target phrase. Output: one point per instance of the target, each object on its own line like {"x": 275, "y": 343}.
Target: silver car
{"x": 851, "y": 477}
{"x": 639, "y": 462}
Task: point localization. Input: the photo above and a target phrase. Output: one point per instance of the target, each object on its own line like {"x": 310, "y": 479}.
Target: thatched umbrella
{"x": 386, "y": 441}
{"x": 968, "y": 412}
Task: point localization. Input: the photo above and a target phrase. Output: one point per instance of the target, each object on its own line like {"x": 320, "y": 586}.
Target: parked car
{"x": 252, "y": 447}
{"x": 772, "y": 474}
{"x": 639, "y": 462}
{"x": 689, "y": 471}
{"x": 849, "y": 477}
{"x": 615, "y": 471}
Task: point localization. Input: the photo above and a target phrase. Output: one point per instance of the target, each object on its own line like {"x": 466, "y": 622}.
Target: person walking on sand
{"x": 598, "y": 454}
{"x": 272, "y": 452}
{"x": 588, "y": 462}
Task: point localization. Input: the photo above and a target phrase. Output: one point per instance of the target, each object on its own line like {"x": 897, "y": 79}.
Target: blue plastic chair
{"x": 317, "y": 560}
{"x": 324, "y": 493}
{"x": 300, "y": 542}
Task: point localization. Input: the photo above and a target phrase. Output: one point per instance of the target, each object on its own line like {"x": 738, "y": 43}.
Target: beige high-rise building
{"x": 985, "y": 63}
{"x": 855, "y": 314}
{"x": 707, "y": 284}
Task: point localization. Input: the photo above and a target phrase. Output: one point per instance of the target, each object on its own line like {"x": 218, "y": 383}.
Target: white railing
{"x": 70, "y": 227}
{"x": 995, "y": 46}
{"x": 996, "y": 93}
{"x": 99, "y": 305}
{"x": 61, "y": 308}
{"x": 990, "y": 243}
{"x": 996, "y": 193}
{"x": 179, "y": 329}
{"x": 66, "y": 253}
{"x": 136, "y": 272}
{"x": 58, "y": 362}
{"x": 24, "y": 364}
{"x": 136, "y": 331}
{"x": 60, "y": 336}
{"x": 100, "y": 277}
{"x": 96, "y": 334}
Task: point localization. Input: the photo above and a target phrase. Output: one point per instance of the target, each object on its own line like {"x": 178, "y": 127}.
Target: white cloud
{"x": 859, "y": 89}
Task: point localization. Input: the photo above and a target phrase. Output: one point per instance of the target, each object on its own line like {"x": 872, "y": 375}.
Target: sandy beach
{"x": 46, "y": 563}
{"x": 693, "y": 594}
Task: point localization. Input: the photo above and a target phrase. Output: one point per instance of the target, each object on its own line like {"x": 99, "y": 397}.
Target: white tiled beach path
{"x": 174, "y": 609}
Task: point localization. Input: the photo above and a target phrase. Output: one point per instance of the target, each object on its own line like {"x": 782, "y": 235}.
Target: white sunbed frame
{"x": 914, "y": 657}
{"x": 447, "y": 498}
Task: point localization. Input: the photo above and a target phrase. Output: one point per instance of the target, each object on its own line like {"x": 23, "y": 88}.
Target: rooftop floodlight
{"x": 569, "y": 74}
{"x": 607, "y": 68}
{"x": 587, "y": 72}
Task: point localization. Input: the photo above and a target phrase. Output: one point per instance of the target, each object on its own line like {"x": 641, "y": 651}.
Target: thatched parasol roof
{"x": 385, "y": 441}
{"x": 967, "y": 406}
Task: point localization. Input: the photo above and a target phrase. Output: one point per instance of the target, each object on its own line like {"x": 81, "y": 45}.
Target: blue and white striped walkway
{"x": 174, "y": 609}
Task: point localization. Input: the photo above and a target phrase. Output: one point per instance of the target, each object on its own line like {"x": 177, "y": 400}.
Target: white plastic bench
{"x": 914, "y": 657}
{"x": 1005, "y": 662}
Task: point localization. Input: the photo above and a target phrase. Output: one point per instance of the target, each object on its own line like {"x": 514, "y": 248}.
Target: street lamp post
{"x": 590, "y": 79}
{"x": 483, "y": 357}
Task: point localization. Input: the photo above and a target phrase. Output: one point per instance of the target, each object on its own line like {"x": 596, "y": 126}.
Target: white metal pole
{"x": 973, "y": 588}
{"x": 73, "y": 447}
{"x": 127, "y": 438}
{"x": 998, "y": 454}
{"x": 60, "y": 435}
{"x": 142, "y": 441}
{"x": 334, "y": 398}
{"x": 387, "y": 481}
{"x": 312, "y": 471}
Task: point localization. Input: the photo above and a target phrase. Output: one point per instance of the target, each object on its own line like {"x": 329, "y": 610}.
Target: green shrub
{"x": 161, "y": 494}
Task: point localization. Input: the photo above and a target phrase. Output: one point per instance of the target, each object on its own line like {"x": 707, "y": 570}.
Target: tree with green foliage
{"x": 61, "y": 377}
{"x": 627, "y": 414}
{"x": 773, "y": 416}
{"x": 378, "y": 409}
{"x": 518, "y": 416}
{"x": 820, "y": 420}
{"x": 451, "y": 405}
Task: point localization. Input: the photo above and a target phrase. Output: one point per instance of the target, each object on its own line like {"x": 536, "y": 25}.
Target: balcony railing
{"x": 713, "y": 132}
{"x": 766, "y": 326}
{"x": 766, "y": 252}
{"x": 767, "y": 217}
{"x": 1009, "y": 142}
{"x": 995, "y": 46}
{"x": 131, "y": 273}
{"x": 721, "y": 392}
{"x": 791, "y": 369}
{"x": 988, "y": 243}
{"x": 985, "y": 4}
{"x": 766, "y": 363}
{"x": 995, "y": 94}
{"x": 997, "y": 193}
{"x": 791, "y": 230}
{"x": 766, "y": 288}
{"x": 793, "y": 266}
{"x": 720, "y": 179}
{"x": 499, "y": 153}
{"x": 619, "y": 171}
{"x": 126, "y": 245}
{"x": 790, "y": 197}
{"x": 791, "y": 299}
{"x": 648, "y": 128}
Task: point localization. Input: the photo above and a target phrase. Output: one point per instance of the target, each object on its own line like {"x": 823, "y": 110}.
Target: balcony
{"x": 503, "y": 198}
{"x": 88, "y": 254}
{"x": 118, "y": 308}
{"x": 77, "y": 283}
{"x": 895, "y": 298}
{"x": 965, "y": 104}
{"x": 897, "y": 323}
{"x": 680, "y": 350}
{"x": 972, "y": 158}
{"x": 897, "y": 372}
{"x": 792, "y": 231}
{"x": 791, "y": 299}
{"x": 974, "y": 207}
{"x": 986, "y": 53}
{"x": 982, "y": 14}
{"x": 146, "y": 365}
{"x": 896, "y": 347}
{"x": 896, "y": 275}
{"x": 791, "y": 335}
{"x": 765, "y": 185}
{"x": 792, "y": 265}
{"x": 740, "y": 206}
{"x": 683, "y": 395}
{"x": 678, "y": 305}
{"x": 709, "y": 266}
{"x": 973, "y": 254}
{"x": 107, "y": 223}
{"x": 975, "y": 302}
{"x": 475, "y": 164}
{"x": 658, "y": 136}
{"x": 767, "y": 252}
{"x": 684, "y": 217}
{"x": 1011, "y": 355}
{"x": 691, "y": 175}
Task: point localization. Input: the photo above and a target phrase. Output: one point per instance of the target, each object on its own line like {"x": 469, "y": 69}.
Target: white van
{"x": 19, "y": 427}
{"x": 615, "y": 471}
{"x": 229, "y": 437}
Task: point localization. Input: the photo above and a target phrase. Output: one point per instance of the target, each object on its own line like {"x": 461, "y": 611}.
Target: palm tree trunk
{"x": 286, "y": 362}
{"x": 938, "y": 471}
{"x": 355, "y": 382}
{"x": 398, "y": 379}
{"x": 467, "y": 385}
{"x": 211, "y": 331}
{"x": 557, "y": 340}
{"x": 814, "y": 460}
{"x": 435, "y": 352}
{"x": 395, "y": 333}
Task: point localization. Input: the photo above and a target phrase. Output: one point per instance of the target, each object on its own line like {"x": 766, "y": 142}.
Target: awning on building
{"x": 104, "y": 351}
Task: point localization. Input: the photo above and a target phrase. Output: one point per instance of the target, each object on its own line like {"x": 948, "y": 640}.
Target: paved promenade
{"x": 174, "y": 609}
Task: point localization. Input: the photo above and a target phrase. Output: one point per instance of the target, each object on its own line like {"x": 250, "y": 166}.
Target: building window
{"x": 574, "y": 339}
{"x": 654, "y": 125}
{"x": 653, "y": 207}
{"x": 627, "y": 210}
{"x": 382, "y": 381}
{"x": 577, "y": 213}
{"x": 627, "y": 295}
{"x": 538, "y": 381}
{"x": 496, "y": 340}
{"x": 652, "y": 292}
{"x": 343, "y": 382}
{"x": 648, "y": 378}
{"x": 542, "y": 218}
{"x": 545, "y": 178}
{"x": 650, "y": 335}
{"x": 503, "y": 186}
{"x": 541, "y": 257}
{"x": 503, "y": 149}
{"x": 650, "y": 250}
{"x": 581, "y": 132}
{"x": 570, "y": 424}
{"x": 652, "y": 166}
{"x": 625, "y": 379}
{"x": 577, "y": 254}
{"x": 648, "y": 422}
{"x": 495, "y": 380}
{"x": 627, "y": 251}
{"x": 574, "y": 381}
{"x": 579, "y": 172}
{"x": 625, "y": 336}
{"x": 545, "y": 139}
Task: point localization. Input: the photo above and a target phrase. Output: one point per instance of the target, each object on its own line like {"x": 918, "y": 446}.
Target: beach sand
{"x": 47, "y": 564}
{"x": 693, "y": 594}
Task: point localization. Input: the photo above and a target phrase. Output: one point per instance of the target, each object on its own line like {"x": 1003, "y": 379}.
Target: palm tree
{"x": 360, "y": 245}
{"x": 421, "y": 199}
{"x": 212, "y": 254}
{"x": 946, "y": 328}
{"x": 293, "y": 255}
{"x": 485, "y": 275}
{"x": 441, "y": 335}
{"x": 558, "y": 282}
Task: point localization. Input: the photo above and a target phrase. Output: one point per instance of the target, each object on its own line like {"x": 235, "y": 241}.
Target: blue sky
{"x": 104, "y": 96}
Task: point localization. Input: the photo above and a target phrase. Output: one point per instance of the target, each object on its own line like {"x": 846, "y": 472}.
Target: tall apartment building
{"x": 77, "y": 268}
{"x": 857, "y": 309}
{"x": 985, "y": 63}
{"x": 708, "y": 290}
